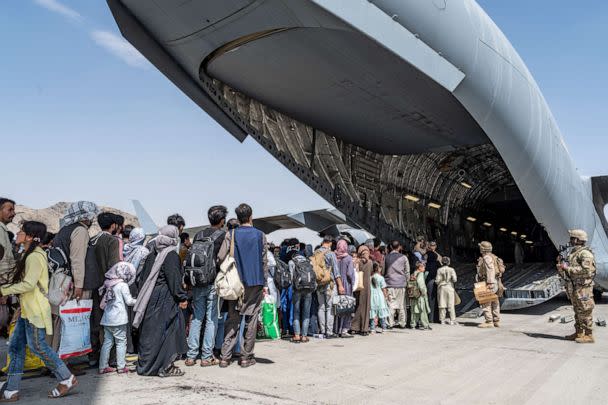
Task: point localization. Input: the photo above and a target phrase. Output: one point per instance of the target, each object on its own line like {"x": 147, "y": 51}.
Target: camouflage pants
{"x": 583, "y": 304}
{"x": 491, "y": 311}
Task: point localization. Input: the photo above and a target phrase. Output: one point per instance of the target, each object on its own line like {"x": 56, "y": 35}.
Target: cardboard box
{"x": 482, "y": 294}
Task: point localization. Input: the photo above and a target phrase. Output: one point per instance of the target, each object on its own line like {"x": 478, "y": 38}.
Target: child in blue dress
{"x": 379, "y": 311}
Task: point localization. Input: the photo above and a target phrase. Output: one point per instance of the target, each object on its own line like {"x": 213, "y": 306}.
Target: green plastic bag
{"x": 270, "y": 319}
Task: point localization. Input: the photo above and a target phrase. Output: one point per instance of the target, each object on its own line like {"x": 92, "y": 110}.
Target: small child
{"x": 446, "y": 277}
{"x": 379, "y": 297}
{"x": 419, "y": 302}
{"x": 115, "y": 297}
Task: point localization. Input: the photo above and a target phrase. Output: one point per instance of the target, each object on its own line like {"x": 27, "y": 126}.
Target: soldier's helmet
{"x": 578, "y": 234}
{"x": 485, "y": 247}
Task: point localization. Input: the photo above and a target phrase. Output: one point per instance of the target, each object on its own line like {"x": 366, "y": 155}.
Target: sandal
{"x": 61, "y": 390}
{"x": 210, "y": 362}
{"x": 173, "y": 371}
{"x": 107, "y": 370}
{"x": 305, "y": 339}
{"x": 296, "y": 339}
{"x": 190, "y": 362}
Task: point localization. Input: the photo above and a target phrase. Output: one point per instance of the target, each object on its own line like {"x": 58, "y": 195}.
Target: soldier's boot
{"x": 579, "y": 333}
{"x": 486, "y": 325}
{"x": 585, "y": 338}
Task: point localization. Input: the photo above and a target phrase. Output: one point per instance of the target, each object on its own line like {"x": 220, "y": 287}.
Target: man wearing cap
{"x": 488, "y": 270}
{"x": 580, "y": 270}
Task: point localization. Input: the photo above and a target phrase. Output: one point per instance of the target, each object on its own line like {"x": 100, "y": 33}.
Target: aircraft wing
{"x": 317, "y": 220}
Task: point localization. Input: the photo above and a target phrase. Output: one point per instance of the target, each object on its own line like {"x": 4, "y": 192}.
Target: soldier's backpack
{"x": 413, "y": 291}
{"x": 322, "y": 273}
{"x": 500, "y": 267}
{"x": 200, "y": 264}
{"x": 282, "y": 275}
{"x": 304, "y": 277}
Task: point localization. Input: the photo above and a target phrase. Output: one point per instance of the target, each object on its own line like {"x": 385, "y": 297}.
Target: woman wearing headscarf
{"x": 158, "y": 315}
{"x": 347, "y": 273}
{"x": 115, "y": 299}
{"x": 361, "y": 320}
{"x": 135, "y": 253}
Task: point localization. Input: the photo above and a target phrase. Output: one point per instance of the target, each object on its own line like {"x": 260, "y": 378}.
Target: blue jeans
{"x": 287, "y": 310}
{"x": 26, "y": 334}
{"x": 301, "y": 311}
{"x": 204, "y": 306}
{"x": 113, "y": 334}
{"x": 219, "y": 336}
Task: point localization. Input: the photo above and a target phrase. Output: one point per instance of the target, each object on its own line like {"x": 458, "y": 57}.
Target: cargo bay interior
{"x": 387, "y": 145}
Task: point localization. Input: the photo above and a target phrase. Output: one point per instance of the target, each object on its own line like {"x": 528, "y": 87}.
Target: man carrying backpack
{"x": 324, "y": 261}
{"x": 250, "y": 257}
{"x": 201, "y": 266}
{"x": 70, "y": 250}
{"x": 304, "y": 283}
{"x": 104, "y": 254}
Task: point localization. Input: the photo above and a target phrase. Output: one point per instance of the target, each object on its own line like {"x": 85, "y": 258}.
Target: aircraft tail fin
{"x": 145, "y": 221}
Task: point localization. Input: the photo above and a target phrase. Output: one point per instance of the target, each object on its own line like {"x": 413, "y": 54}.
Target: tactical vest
{"x": 482, "y": 271}
{"x": 575, "y": 259}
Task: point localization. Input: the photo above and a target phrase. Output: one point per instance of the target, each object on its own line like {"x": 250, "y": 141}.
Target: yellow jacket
{"x": 35, "y": 306}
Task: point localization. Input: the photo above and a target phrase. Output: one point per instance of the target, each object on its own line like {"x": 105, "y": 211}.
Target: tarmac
{"x": 525, "y": 361}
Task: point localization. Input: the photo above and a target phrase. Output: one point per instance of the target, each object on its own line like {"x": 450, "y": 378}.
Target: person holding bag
{"x": 363, "y": 293}
{"x": 346, "y": 266}
{"x": 34, "y": 323}
{"x": 245, "y": 248}
{"x": 446, "y": 278}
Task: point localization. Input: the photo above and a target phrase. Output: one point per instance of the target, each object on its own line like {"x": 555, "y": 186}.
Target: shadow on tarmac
{"x": 262, "y": 360}
{"x": 470, "y": 324}
{"x": 542, "y": 336}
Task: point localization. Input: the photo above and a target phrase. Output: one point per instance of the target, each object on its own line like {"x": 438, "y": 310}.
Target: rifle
{"x": 562, "y": 258}
{"x": 564, "y": 253}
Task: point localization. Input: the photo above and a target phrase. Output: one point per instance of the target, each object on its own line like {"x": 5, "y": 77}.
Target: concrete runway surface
{"x": 526, "y": 361}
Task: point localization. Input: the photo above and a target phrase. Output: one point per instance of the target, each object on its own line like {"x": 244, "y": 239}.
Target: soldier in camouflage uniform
{"x": 579, "y": 272}
{"x": 488, "y": 270}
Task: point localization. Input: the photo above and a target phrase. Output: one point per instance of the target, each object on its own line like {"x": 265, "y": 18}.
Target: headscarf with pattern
{"x": 120, "y": 272}
{"x": 79, "y": 211}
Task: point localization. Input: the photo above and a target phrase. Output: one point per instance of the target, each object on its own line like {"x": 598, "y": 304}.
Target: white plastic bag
{"x": 75, "y": 328}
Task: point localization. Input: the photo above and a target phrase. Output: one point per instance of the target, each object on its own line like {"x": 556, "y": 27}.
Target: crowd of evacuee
{"x": 158, "y": 296}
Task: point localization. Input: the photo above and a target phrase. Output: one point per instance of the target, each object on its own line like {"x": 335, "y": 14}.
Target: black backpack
{"x": 58, "y": 261}
{"x": 282, "y": 276}
{"x": 93, "y": 275}
{"x": 200, "y": 267}
{"x": 304, "y": 277}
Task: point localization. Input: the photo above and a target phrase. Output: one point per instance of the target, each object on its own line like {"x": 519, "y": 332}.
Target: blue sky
{"x": 85, "y": 117}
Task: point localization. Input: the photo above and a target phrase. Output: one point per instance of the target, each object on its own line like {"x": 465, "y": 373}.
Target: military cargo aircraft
{"x": 411, "y": 117}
